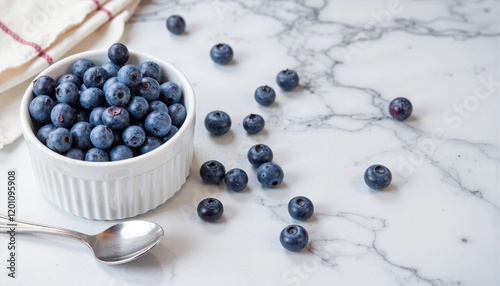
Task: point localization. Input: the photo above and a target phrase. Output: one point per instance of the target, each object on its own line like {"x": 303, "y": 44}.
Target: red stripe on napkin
{"x": 100, "y": 8}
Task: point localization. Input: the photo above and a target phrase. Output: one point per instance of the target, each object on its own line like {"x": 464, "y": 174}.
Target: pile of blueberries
{"x": 107, "y": 113}
{"x": 269, "y": 174}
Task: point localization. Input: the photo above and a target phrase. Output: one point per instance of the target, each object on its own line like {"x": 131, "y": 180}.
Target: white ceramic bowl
{"x": 120, "y": 189}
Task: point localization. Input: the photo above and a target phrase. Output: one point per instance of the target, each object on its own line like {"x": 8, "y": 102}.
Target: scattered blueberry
{"x": 150, "y": 144}
{"x": 259, "y": 154}
{"x": 67, "y": 92}
{"x": 92, "y": 97}
{"x": 80, "y": 133}
{"x": 129, "y": 75}
{"x": 177, "y": 113}
{"x": 95, "y": 77}
{"x": 270, "y": 175}
{"x": 44, "y": 85}
{"x": 265, "y": 95}
{"x": 300, "y": 208}
{"x": 138, "y": 107}
{"x": 81, "y": 66}
{"x": 101, "y": 136}
{"x": 118, "y": 54}
{"x": 236, "y": 179}
{"x": 151, "y": 69}
{"x": 378, "y": 177}
{"x": 170, "y": 93}
{"x": 175, "y": 24}
{"x": 221, "y": 54}
{"x": 217, "y": 122}
{"x": 400, "y": 108}
{"x": 294, "y": 237}
{"x": 117, "y": 94}
{"x": 133, "y": 136}
{"x": 40, "y": 108}
{"x": 253, "y": 123}
{"x": 63, "y": 115}
{"x": 158, "y": 123}
{"x": 59, "y": 140}
{"x": 212, "y": 172}
{"x": 287, "y": 79}
{"x": 149, "y": 88}
{"x": 210, "y": 209}
{"x": 120, "y": 152}
{"x": 96, "y": 155}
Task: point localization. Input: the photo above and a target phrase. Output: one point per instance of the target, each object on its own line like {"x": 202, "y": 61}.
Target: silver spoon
{"x": 122, "y": 242}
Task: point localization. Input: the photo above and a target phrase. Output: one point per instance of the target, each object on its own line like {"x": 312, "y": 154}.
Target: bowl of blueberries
{"x": 110, "y": 132}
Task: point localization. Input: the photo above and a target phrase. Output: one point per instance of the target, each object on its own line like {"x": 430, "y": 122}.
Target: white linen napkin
{"x": 34, "y": 34}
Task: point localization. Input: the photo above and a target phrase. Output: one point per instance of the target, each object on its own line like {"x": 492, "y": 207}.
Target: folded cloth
{"x": 34, "y": 34}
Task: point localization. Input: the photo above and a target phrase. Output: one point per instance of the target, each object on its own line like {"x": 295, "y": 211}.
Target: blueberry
{"x": 43, "y": 133}
{"x": 120, "y": 152}
{"x": 63, "y": 115}
{"x": 212, "y": 172}
{"x": 157, "y": 106}
{"x": 138, "y": 107}
{"x": 129, "y": 75}
{"x": 76, "y": 154}
{"x": 82, "y": 87}
{"x": 117, "y": 94}
{"x": 44, "y": 85}
{"x": 150, "y": 144}
{"x": 95, "y": 77}
{"x": 259, "y": 154}
{"x": 217, "y": 122}
{"x": 82, "y": 115}
{"x": 158, "y": 123}
{"x": 149, "y": 89}
{"x": 236, "y": 179}
{"x": 80, "y": 133}
{"x": 118, "y": 54}
{"x": 102, "y": 136}
{"x": 92, "y": 97}
{"x": 400, "y": 108}
{"x": 133, "y": 136}
{"x": 109, "y": 82}
{"x": 117, "y": 137}
{"x": 170, "y": 93}
{"x": 210, "y": 209}
{"x": 294, "y": 237}
{"x": 95, "y": 117}
{"x": 176, "y": 24}
{"x": 40, "y": 108}
{"x": 111, "y": 68}
{"x": 151, "y": 69}
{"x": 300, "y": 208}
{"x": 59, "y": 140}
{"x": 69, "y": 78}
{"x": 67, "y": 92}
{"x": 96, "y": 155}
{"x": 170, "y": 134}
{"x": 265, "y": 95}
{"x": 270, "y": 175}
{"x": 253, "y": 123}
{"x": 115, "y": 117}
{"x": 221, "y": 54}
{"x": 287, "y": 79}
{"x": 177, "y": 113}
{"x": 378, "y": 177}
{"x": 81, "y": 66}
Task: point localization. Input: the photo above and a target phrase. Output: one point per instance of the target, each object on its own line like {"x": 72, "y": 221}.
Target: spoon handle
{"x": 24, "y": 226}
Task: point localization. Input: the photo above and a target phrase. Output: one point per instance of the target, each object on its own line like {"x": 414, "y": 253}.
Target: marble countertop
{"x": 437, "y": 224}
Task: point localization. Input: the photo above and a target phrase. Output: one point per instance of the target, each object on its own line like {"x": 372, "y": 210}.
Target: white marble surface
{"x": 437, "y": 224}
